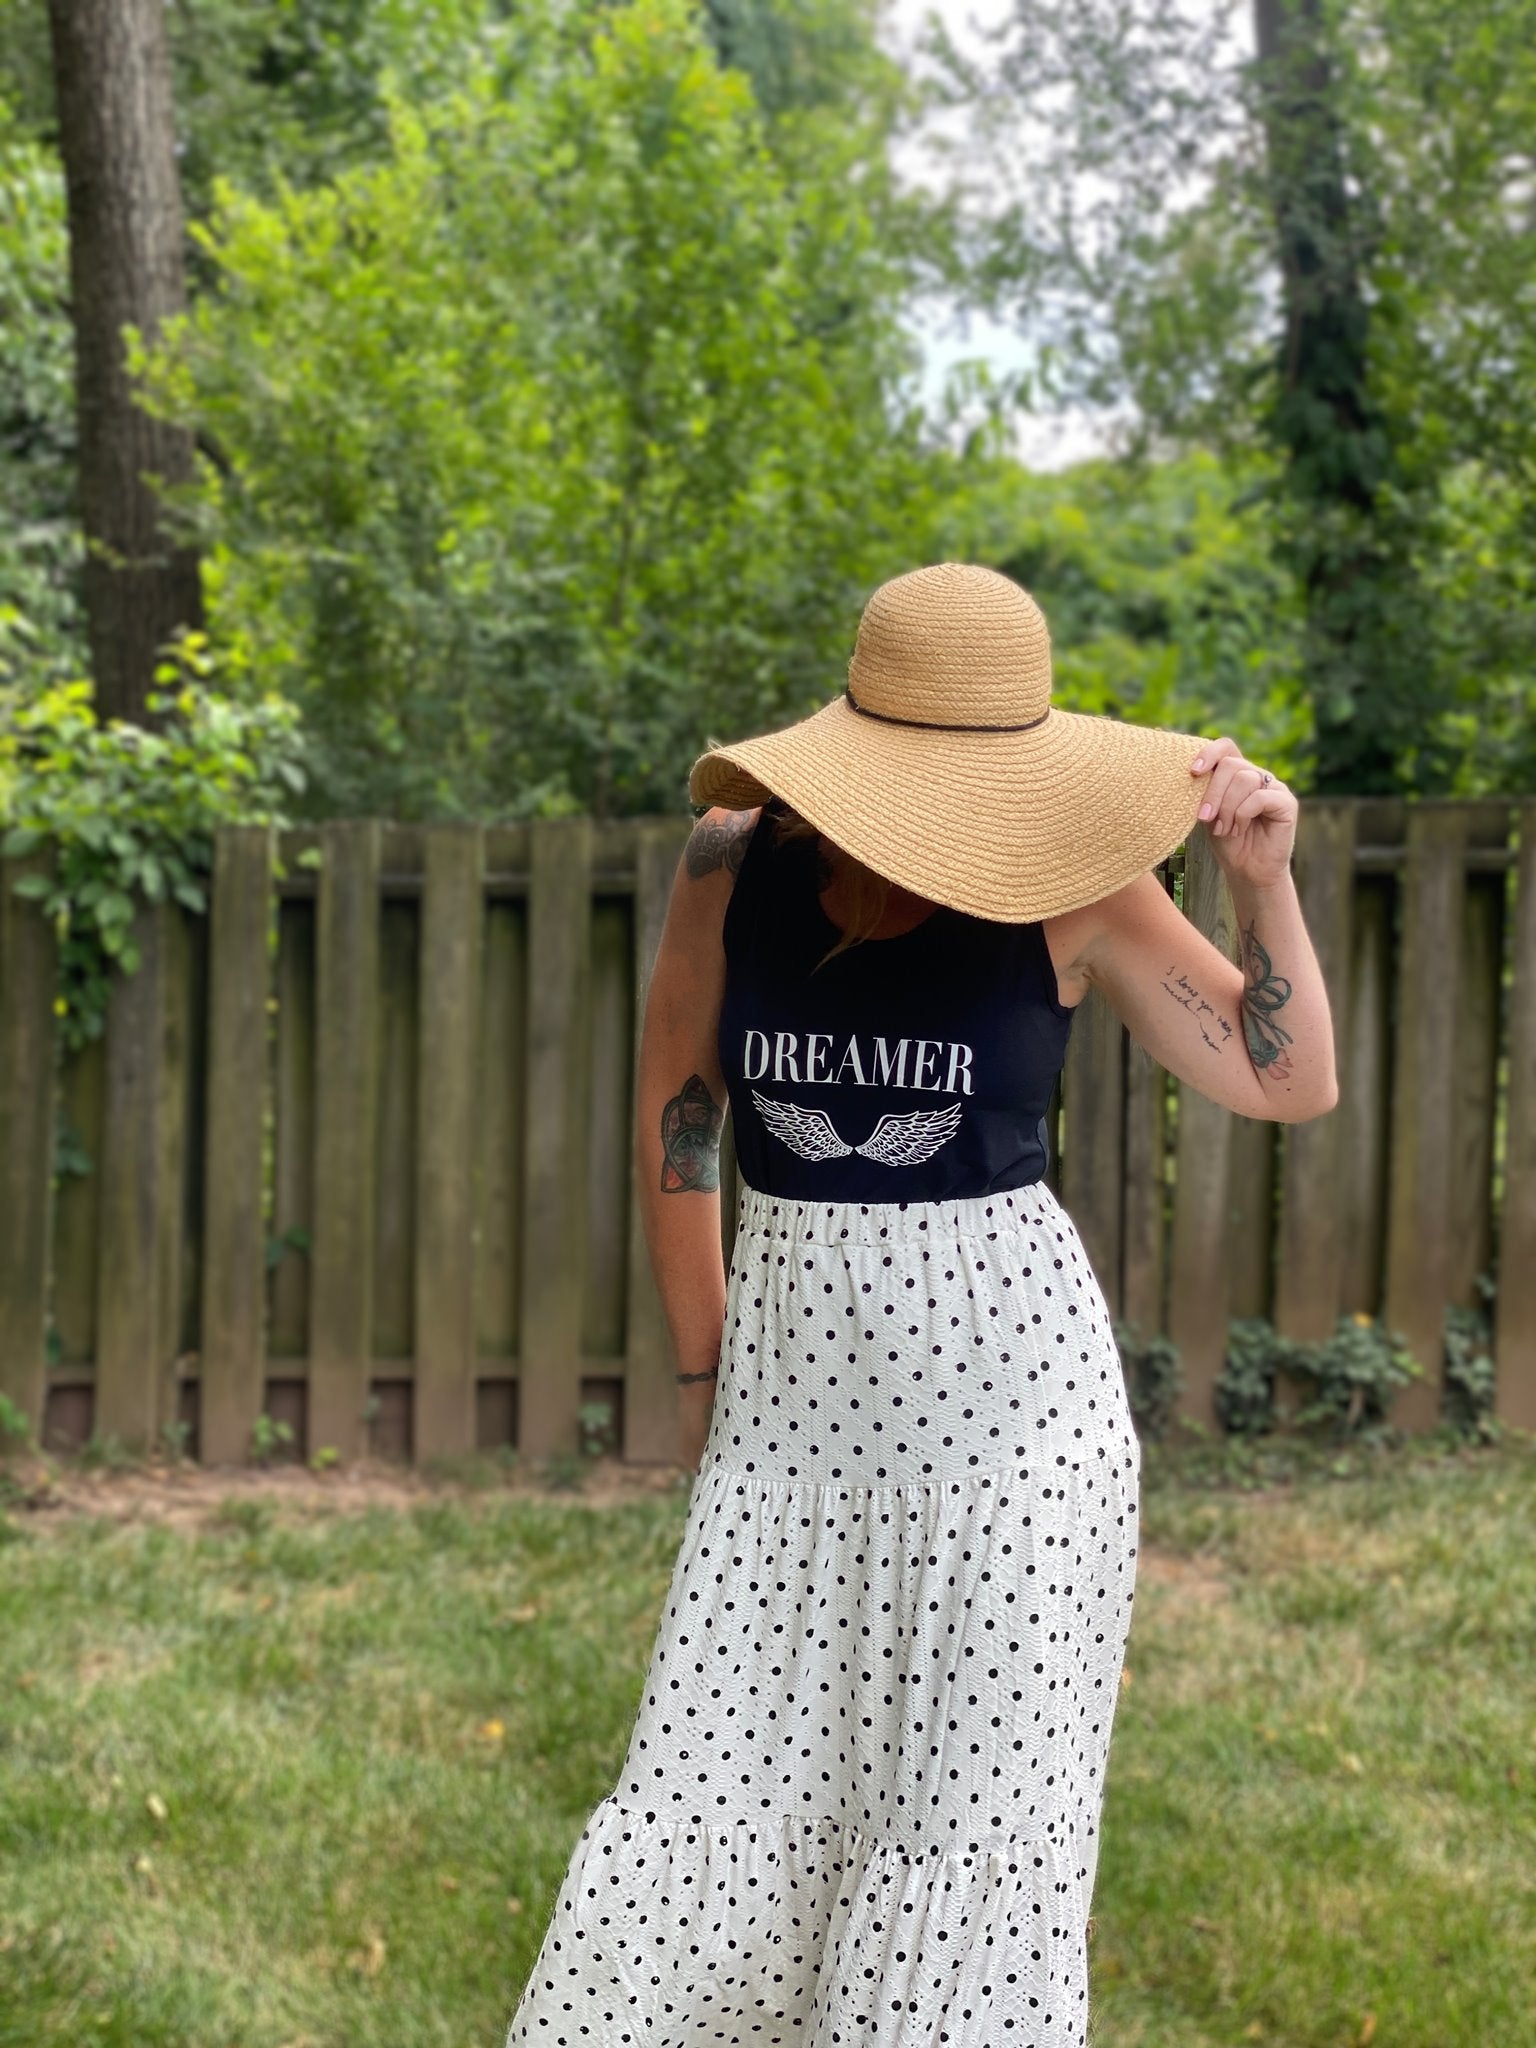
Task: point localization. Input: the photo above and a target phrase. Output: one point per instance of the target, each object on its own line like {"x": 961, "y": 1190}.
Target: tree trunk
{"x": 117, "y": 139}
{"x": 1337, "y": 446}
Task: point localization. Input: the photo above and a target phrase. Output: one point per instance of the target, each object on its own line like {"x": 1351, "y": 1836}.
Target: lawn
{"x": 300, "y": 1775}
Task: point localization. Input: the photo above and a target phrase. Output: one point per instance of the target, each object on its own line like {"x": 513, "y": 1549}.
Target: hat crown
{"x": 954, "y": 644}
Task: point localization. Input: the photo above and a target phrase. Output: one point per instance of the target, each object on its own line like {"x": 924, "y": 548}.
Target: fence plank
{"x": 452, "y": 908}
{"x": 1515, "y": 1307}
{"x": 1093, "y": 1113}
{"x": 177, "y": 1120}
{"x": 1474, "y": 1083}
{"x": 27, "y": 1026}
{"x": 396, "y": 1121}
{"x": 134, "y": 1214}
{"x": 1144, "y": 1253}
{"x": 1251, "y": 1218}
{"x": 499, "y": 1132}
{"x": 650, "y": 1407}
{"x": 346, "y": 1066}
{"x": 1475, "y": 1069}
{"x": 1365, "y": 1097}
{"x": 232, "y": 1368}
{"x": 559, "y": 986}
{"x": 1199, "y": 1277}
{"x": 1419, "y": 1218}
{"x": 609, "y": 1154}
{"x": 293, "y": 1135}
{"x": 1309, "y": 1280}
{"x": 82, "y": 1098}
{"x": 1144, "y": 1264}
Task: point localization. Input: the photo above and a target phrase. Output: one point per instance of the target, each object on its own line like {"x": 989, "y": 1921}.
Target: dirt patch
{"x": 1198, "y": 1580}
{"x": 45, "y": 1495}
{"x": 50, "y": 1494}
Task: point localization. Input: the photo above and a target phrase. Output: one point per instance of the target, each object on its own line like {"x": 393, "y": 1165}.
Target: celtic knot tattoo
{"x": 690, "y": 1140}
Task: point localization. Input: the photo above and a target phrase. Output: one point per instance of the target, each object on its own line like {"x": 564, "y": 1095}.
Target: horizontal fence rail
{"x": 353, "y": 1154}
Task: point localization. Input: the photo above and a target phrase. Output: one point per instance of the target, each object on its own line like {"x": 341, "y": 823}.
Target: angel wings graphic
{"x": 895, "y": 1141}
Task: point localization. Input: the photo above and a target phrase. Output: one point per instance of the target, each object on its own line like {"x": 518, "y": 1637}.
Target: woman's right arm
{"x": 680, "y": 1107}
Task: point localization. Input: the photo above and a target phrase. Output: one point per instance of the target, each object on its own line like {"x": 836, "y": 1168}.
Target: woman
{"x": 861, "y": 1797}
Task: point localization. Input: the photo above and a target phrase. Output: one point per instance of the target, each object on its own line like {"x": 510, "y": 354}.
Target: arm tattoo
{"x": 712, "y": 846}
{"x": 690, "y": 1140}
{"x": 687, "y": 1379}
{"x": 1266, "y": 994}
{"x": 1184, "y": 992}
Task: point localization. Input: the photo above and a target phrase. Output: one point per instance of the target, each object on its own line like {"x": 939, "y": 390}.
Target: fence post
{"x": 1198, "y": 1293}
{"x": 27, "y": 1032}
{"x": 553, "y": 1251}
{"x": 1365, "y": 1073}
{"x": 452, "y": 921}
{"x": 1093, "y": 1163}
{"x": 1309, "y": 1283}
{"x": 1419, "y": 1215}
{"x": 232, "y": 1344}
{"x": 346, "y": 1064}
{"x": 139, "y": 1231}
{"x": 1474, "y": 1077}
{"x": 1515, "y": 1306}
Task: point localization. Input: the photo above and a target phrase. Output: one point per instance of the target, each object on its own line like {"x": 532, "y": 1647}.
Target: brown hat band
{"x": 937, "y": 724}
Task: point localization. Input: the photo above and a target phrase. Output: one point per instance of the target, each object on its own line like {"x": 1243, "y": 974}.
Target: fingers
{"x": 1255, "y": 803}
{"x": 1233, "y": 782}
{"x": 1212, "y": 752}
{"x": 1212, "y": 760}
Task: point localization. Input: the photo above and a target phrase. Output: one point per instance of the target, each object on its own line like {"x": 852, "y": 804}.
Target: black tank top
{"x": 916, "y": 1068}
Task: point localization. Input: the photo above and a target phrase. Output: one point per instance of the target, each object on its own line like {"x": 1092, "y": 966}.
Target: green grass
{"x": 310, "y": 1779}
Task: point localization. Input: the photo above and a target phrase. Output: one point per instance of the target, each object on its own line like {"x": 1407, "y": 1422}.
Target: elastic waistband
{"x": 807, "y": 1222}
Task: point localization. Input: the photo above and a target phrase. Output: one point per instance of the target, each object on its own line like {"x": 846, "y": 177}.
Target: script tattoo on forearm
{"x": 687, "y": 1379}
{"x": 711, "y": 845}
{"x": 1267, "y": 993}
{"x": 1184, "y": 992}
{"x": 690, "y": 1140}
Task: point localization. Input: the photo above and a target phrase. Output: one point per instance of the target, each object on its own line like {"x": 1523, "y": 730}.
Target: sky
{"x": 949, "y": 337}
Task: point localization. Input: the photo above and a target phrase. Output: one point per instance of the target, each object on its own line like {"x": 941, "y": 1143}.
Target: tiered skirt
{"x": 861, "y": 1798}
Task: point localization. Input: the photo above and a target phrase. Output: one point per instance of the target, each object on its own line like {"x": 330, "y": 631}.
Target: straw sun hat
{"x": 945, "y": 766}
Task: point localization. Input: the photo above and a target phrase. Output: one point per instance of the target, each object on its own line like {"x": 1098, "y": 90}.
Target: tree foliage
{"x": 557, "y": 414}
{"x": 40, "y": 548}
{"x": 1166, "y": 604}
{"x": 1321, "y": 249}
{"x": 567, "y": 431}
{"x": 129, "y": 814}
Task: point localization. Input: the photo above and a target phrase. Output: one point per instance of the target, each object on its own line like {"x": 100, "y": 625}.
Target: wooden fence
{"x": 372, "y": 1178}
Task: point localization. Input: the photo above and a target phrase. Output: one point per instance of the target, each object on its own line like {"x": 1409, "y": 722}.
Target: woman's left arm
{"x": 1251, "y": 820}
{"x": 1255, "y": 1036}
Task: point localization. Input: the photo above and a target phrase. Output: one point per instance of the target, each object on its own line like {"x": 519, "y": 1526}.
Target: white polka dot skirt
{"x": 860, "y": 1802}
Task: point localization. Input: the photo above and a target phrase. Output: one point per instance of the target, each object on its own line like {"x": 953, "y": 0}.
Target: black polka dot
{"x": 861, "y": 1798}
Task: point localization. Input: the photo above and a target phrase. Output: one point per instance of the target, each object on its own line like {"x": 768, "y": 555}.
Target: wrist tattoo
{"x": 687, "y": 1379}
{"x": 713, "y": 845}
{"x": 690, "y": 1140}
{"x": 1266, "y": 994}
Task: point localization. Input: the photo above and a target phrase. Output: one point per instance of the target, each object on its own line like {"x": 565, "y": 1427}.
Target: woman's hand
{"x": 1251, "y": 821}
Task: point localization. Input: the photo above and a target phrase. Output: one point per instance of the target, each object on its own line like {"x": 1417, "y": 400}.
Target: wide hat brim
{"x": 1012, "y": 826}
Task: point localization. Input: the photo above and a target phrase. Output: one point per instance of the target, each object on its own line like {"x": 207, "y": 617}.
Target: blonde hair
{"x": 869, "y": 892}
